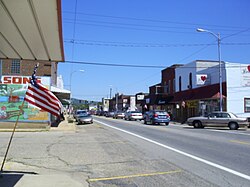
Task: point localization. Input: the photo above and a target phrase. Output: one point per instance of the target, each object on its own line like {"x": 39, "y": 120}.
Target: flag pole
{"x": 33, "y": 79}
{"x": 6, "y": 153}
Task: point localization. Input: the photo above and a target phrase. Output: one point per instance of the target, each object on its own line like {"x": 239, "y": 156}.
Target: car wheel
{"x": 145, "y": 122}
{"x": 167, "y": 123}
{"x": 233, "y": 126}
{"x": 197, "y": 124}
{"x": 152, "y": 122}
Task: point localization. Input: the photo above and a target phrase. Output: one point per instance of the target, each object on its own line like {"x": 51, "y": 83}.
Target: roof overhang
{"x": 62, "y": 94}
{"x": 31, "y": 30}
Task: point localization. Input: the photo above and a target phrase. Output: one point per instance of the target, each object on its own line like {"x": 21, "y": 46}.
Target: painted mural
{"x": 12, "y": 93}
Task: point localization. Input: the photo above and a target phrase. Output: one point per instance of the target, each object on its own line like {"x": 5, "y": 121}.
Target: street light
{"x": 110, "y": 91}
{"x": 70, "y": 86}
{"x": 217, "y": 36}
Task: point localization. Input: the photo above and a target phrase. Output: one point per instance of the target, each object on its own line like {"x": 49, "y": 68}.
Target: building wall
{"x": 196, "y": 68}
{"x": 238, "y": 87}
{"x": 26, "y": 69}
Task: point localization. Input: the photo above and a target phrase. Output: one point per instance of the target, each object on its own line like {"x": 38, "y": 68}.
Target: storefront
{"x": 196, "y": 102}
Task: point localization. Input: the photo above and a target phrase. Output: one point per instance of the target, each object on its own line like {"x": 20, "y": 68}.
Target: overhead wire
{"x": 145, "y": 45}
{"x": 115, "y": 44}
{"x": 152, "y": 20}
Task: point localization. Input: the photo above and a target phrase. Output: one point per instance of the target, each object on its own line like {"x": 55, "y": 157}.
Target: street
{"x": 115, "y": 152}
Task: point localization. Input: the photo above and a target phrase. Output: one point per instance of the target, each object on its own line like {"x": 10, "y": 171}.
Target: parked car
{"x": 218, "y": 119}
{"x": 78, "y": 113}
{"x": 133, "y": 115}
{"x": 85, "y": 118}
{"x": 156, "y": 117}
{"x": 110, "y": 114}
{"x": 119, "y": 114}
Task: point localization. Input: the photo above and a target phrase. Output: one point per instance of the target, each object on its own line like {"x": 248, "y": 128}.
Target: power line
{"x": 139, "y": 29}
{"x": 140, "y": 45}
{"x": 234, "y": 34}
{"x": 150, "y": 66}
{"x": 83, "y": 21}
{"x": 152, "y": 20}
{"x": 115, "y": 65}
{"x": 74, "y": 30}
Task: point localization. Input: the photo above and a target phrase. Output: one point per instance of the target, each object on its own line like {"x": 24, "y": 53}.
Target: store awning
{"x": 62, "y": 94}
{"x": 31, "y": 30}
{"x": 204, "y": 92}
{"x": 59, "y": 90}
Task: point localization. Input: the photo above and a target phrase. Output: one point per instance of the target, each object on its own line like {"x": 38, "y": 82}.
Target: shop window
{"x": 15, "y": 67}
{"x": 247, "y": 104}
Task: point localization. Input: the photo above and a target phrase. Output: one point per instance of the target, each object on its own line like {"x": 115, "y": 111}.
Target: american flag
{"x": 40, "y": 96}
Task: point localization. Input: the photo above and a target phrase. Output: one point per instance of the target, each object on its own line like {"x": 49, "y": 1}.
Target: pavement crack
{"x": 48, "y": 150}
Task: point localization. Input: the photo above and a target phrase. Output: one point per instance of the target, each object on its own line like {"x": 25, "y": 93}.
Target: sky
{"x": 122, "y": 45}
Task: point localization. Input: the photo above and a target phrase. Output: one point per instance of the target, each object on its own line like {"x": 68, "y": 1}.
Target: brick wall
{"x": 27, "y": 67}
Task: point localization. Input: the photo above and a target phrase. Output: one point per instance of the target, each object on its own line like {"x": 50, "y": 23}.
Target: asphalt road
{"x": 127, "y": 153}
{"x": 220, "y": 156}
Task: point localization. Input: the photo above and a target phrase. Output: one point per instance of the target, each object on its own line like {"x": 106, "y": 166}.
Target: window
{"x": 247, "y": 104}
{"x": 179, "y": 83}
{"x": 173, "y": 85}
{"x": 169, "y": 86}
{"x": 15, "y": 67}
{"x": 190, "y": 81}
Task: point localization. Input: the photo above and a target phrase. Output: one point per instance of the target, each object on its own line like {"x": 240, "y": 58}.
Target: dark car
{"x": 110, "y": 114}
{"x": 156, "y": 117}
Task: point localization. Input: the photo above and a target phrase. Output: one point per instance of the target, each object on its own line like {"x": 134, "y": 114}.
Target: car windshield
{"x": 233, "y": 115}
{"x": 81, "y": 112}
{"x": 161, "y": 112}
{"x": 84, "y": 114}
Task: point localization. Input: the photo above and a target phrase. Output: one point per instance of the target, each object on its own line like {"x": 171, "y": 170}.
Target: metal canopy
{"x": 31, "y": 30}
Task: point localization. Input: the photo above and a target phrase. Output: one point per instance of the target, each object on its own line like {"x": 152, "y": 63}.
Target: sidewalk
{"x": 65, "y": 125}
{"x": 20, "y": 177}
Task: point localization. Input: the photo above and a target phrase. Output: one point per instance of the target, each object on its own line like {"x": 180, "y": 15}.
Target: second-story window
{"x": 15, "y": 67}
{"x": 190, "y": 81}
{"x": 179, "y": 83}
{"x": 169, "y": 86}
{"x": 173, "y": 85}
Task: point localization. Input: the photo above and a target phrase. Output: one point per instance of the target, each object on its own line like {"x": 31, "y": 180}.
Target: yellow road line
{"x": 133, "y": 176}
{"x": 240, "y": 142}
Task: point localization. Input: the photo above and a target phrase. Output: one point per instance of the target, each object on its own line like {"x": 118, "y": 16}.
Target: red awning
{"x": 217, "y": 96}
{"x": 205, "y": 92}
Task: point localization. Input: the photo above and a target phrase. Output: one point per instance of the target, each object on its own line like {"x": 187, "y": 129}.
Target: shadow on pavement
{"x": 11, "y": 178}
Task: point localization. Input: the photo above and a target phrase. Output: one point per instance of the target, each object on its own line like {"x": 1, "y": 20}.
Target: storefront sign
{"x": 192, "y": 104}
{"x": 140, "y": 97}
{"x": 12, "y": 93}
{"x": 160, "y": 102}
{"x": 245, "y": 79}
{"x": 202, "y": 79}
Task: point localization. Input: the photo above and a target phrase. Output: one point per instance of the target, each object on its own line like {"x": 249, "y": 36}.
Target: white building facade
{"x": 201, "y": 73}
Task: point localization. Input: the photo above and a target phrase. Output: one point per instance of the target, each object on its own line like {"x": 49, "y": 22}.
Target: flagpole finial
{"x": 33, "y": 80}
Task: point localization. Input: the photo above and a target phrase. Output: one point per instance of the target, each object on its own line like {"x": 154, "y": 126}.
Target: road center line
{"x": 222, "y": 131}
{"x": 133, "y": 176}
{"x": 240, "y": 142}
{"x": 181, "y": 152}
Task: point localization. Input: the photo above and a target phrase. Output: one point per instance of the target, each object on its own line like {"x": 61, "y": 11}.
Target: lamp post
{"x": 217, "y": 36}
{"x": 70, "y": 87}
{"x": 110, "y": 91}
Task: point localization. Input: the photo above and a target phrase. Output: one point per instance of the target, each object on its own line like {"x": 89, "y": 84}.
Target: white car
{"x": 218, "y": 119}
{"x": 133, "y": 115}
